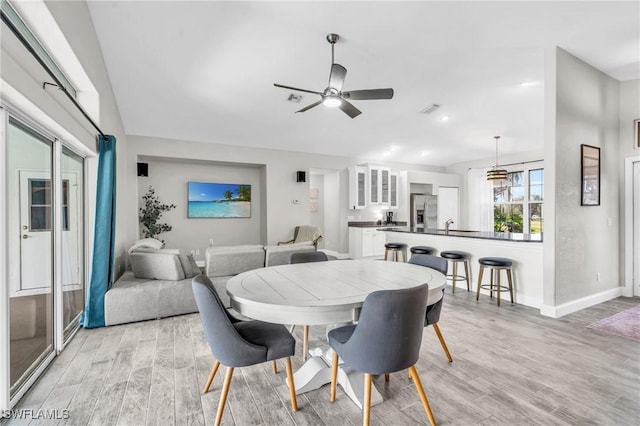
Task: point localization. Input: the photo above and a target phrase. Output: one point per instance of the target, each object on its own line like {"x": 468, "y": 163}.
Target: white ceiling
{"x": 204, "y": 71}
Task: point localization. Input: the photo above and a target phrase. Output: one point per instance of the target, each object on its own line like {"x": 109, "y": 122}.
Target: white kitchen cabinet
{"x": 379, "y": 185}
{"x": 366, "y": 242}
{"x": 358, "y": 187}
{"x": 393, "y": 190}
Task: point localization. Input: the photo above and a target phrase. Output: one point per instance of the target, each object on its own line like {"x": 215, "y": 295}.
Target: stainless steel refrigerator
{"x": 424, "y": 211}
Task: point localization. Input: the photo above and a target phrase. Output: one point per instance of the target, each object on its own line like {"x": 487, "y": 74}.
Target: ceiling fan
{"x": 333, "y": 96}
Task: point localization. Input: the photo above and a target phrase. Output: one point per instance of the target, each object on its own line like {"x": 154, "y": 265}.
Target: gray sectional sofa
{"x": 159, "y": 284}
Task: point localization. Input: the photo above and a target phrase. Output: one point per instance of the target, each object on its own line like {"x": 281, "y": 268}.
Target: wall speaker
{"x": 143, "y": 169}
{"x": 301, "y": 176}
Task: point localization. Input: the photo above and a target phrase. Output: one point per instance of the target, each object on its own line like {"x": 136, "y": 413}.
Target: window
{"x": 536, "y": 196}
{"x": 508, "y": 200}
{"x": 518, "y": 197}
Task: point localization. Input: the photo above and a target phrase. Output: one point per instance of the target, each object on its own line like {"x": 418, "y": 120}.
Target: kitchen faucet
{"x": 447, "y": 224}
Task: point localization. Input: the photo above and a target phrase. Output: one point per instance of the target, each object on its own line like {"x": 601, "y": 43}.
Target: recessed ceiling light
{"x": 444, "y": 118}
{"x": 527, "y": 83}
{"x": 393, "y": 148}
{"x": 424, "y": 153}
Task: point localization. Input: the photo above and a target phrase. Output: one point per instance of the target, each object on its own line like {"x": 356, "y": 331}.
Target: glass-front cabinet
{"x": 379, "y": 185}
{"x": 358, "y": 187}
{"x": 371, "y": 185}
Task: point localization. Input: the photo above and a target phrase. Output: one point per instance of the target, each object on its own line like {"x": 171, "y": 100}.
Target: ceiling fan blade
{"x": 336, "y": 78}
{"x": 349, "y": 109}
{"x": 369, "y": 94}
{"x": 295, "y": 88}
{"x": 315, "y": 104}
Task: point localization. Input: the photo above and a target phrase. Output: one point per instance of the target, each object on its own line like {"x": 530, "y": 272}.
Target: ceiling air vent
{"x": 430, "y": 109}
{"x": 294, "y": 98}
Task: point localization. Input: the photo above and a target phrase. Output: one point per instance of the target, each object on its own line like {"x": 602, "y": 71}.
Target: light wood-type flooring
{"x": 511, "y": 367}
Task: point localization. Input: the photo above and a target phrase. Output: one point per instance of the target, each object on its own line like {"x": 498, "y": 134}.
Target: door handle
{"x": 25, "y": 236}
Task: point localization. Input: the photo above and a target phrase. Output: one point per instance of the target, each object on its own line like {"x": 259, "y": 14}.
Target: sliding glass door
{"x": 30, "y": 254}
{"x": 72, "y": 247}
{"x": 45, "y": 247}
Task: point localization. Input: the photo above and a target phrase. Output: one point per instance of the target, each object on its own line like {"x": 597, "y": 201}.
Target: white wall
{"x": 280, "y": 213}
{"x": 582, "y": 241}
{"x": 629, "y": 112}
{"x": 169, "y": 178}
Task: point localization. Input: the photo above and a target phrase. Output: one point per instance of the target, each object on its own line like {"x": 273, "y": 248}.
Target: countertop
{"x": 374, "y": 224}
{"x": 502, "y": 236}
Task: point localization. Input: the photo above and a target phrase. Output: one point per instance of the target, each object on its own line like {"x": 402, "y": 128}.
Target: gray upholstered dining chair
{"x": 386, "y": 339}
{"x": 433, "y": 311}
{"x": 306, "y": 257}
{"x": 237, "y": 343}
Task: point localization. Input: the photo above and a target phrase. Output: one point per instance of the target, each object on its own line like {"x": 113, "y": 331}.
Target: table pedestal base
{"x": 316, "y": 372}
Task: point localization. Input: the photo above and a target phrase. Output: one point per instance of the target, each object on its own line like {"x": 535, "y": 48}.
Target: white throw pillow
{"x": 147, "y": 243}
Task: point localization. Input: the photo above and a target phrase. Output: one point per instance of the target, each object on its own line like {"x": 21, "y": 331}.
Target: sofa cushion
{"x": 222, "y": 261}
{"x": 156, "y": 265}
{"x": 133, "y": 299}
{"x": 281, "y": 255}
{"x": 189, "y": 265}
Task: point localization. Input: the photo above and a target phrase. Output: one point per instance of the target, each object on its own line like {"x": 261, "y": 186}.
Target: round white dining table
{"x": 325, "y": 293}
{"x": 319, "y": 293}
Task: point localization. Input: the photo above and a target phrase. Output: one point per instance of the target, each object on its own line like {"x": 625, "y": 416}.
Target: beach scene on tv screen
{"x": 219, "y": 200}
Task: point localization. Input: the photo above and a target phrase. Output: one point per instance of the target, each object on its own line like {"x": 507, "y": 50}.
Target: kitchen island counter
{"x": 527, "y": 256}
{"x": 502, "y": 236}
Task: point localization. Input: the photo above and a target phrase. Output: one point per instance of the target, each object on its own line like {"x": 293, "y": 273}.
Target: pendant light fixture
{"x": 496, "y": 173}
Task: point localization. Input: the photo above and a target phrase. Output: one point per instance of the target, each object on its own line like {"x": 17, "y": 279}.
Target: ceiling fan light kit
{"x": 333, "y": 96}
{"x": 496, "y": 173}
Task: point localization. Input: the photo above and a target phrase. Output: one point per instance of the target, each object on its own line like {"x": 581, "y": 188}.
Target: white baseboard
{"x": 578, "y": 304}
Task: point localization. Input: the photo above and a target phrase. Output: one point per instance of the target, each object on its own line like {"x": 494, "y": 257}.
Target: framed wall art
{"x": 590, "y": 174}
{"x": 218, "y": 200}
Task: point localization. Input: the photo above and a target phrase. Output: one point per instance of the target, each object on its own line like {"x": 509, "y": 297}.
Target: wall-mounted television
{"x": 218, "y": 200}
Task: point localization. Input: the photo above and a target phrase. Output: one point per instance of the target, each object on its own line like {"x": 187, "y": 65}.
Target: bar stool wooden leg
{"x": 510, "y": 283}
{"x": 479, "y": 282}
{"x": 386, "y": 252}
{"x": 492, "y": 282}
{"x": 274, "y": 367}
{"x": 467, "y": 275}
{"x": 454, "y": 277}
{"x": 497, "y": 272}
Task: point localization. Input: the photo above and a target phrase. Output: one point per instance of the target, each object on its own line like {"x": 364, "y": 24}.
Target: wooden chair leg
{"x": 423, "y": 396}
{"x": 479, "y": 282}
{"x": 274, "y": 367}
{"x": 214, "y": 370}
{"x": 386, "y": 377}
{"x": 334, "y": 375}
{"x": 366, "y": 407}
{"x": 497, "y": 273}
{"x": 442, "y": 342}
{"x": 292, "y": 386}
{"x": 510, "y": 283}
{"x": 305, "y": 342}
{"x": 223, "y": 395}
{"x": 467, "y": 274}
